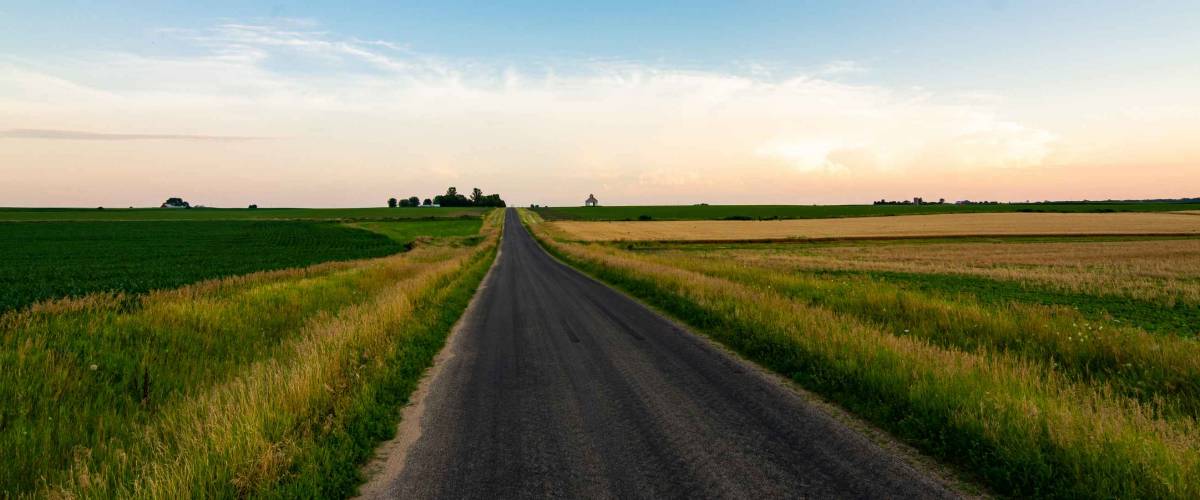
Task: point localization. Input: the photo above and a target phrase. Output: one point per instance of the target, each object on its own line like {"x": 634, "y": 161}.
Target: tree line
{"x": 452, "y": 198}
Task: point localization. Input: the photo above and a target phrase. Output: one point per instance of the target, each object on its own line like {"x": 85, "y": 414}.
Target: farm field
{"x": 1153, "y": 284}
{"x": 1039, "y": 366}
{"x": 274, "y": 383}
{"x": 130, "y": 214}
{"x": 406, "y": 232}
{"x": 768, "y": 212}
{"x": 1012, "y": 224}
{"x": 45, "y": 260}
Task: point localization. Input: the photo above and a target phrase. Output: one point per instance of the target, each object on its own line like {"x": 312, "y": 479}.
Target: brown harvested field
{"x": 1000, "y": 224}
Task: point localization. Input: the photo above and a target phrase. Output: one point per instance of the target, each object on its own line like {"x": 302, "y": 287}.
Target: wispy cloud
{"x": 390, "y": 114}
{"x": 842, "y": 67}
{"x": 78, "y": 135}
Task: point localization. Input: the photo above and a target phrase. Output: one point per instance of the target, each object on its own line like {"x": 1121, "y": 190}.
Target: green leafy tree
{"x": 452, "y": 199}
{"x": 391, "y": 203}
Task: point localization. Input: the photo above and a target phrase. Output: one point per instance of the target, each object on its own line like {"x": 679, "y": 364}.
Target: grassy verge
{"x": 329, "y": 468}
{"x": 1146, "y": 283}
{"x": 1161, "y": 371}
{"x": 254, "y": 385}
{"x": 1017, "y": 422}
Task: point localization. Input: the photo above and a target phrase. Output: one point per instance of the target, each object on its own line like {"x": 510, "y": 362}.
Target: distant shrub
{"x": 645, "y": 217}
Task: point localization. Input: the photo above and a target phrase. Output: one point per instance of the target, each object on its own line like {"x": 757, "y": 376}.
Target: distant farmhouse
{"x": 175, "y": 203}
{"x": 591, "y": 201}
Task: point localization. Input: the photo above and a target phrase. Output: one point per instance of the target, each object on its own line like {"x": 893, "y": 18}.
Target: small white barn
{"x": 591, "y": 201}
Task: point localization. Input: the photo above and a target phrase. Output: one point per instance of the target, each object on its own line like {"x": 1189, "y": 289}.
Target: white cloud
{"x": 81, "y": 135}
{"x": 841, "y": 67}
{"x": 578, "y": 124}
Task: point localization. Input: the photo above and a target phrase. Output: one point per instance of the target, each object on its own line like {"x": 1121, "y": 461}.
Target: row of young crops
{"x": 271, "y": 383}
{"x": 47, "y": 260}
{"x": 1030, "y": 399}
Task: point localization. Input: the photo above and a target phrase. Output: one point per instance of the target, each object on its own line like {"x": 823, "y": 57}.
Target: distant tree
{"x": 491, "y": 200}
{"x": 175, "y": 203}
{"x": 428, "y": 202}
{"x": 253, "y": 206}
{"x": 477, "y": 197}
{"x": 391, "y": 203}
{"x": 413, "y": 201}
{"x": 403, "y": 202}
{"x": 452, "y": 199}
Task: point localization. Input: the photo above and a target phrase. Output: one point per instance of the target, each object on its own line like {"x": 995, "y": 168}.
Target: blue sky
{"x": 1050, "y": 81}
{"x": 997, "y": 42}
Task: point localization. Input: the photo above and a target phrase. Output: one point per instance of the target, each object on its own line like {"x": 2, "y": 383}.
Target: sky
{"x": 126, "y": 103}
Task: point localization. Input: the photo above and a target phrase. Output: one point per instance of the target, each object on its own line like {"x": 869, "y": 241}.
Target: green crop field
{"x": 43, "y": 260}
{"x": 755, "y": 212}
{"x": 1044, "y": 367}
{"x": 406, "y": 232}
{"x": 375, "y": 213}
{"x": 273, "y": 384}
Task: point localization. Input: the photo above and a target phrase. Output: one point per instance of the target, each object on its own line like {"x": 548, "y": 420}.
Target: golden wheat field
{"x": 1161, "y": 270}
{"x": 999, "y": 224}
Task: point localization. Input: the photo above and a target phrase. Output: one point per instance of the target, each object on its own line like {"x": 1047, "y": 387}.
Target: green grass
{"x": 1028, "y": 399}
{"x": 271, "y": 384}
{"x": 715, "y": 212}
{"x": 330, "y": 467}
{"x": 45, "y": 260}
{"x": 406, "y": 232}
{"x": 1091, "y": 349}
{"x": 131, "y": 214}
{"x": 1179, "y": 319}
{"x": 1152, "y": 316}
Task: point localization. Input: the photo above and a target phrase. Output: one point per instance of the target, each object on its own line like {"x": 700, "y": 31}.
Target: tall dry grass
{"x": 1164, "y": 271}
{"x": 223, "y": 388}
{"x": 1160, "y": 370}
{"x": 1019, "y": 423}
